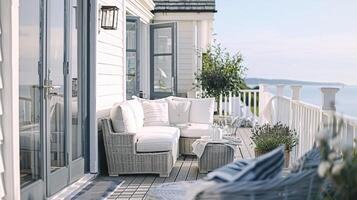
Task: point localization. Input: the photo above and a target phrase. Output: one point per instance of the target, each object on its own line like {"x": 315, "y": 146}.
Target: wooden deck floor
{"x": 186, "y": 168}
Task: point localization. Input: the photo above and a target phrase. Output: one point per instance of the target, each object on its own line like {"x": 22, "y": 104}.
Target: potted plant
{"x": 221, "y": 73}
{"x": 268, "y": 137}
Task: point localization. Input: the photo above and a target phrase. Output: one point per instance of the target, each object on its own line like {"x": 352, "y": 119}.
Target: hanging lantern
{"x": 109, "y": 18}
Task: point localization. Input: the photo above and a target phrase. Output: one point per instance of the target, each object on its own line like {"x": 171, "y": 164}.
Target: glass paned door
{"x": 75, "y": 91}
{"x": 30, "y": 121}
{"x": 51, "y": 152}
{"x": 132, "y": 56}
{"x": 163, "y": 73}
{"x": 56, "y": 95}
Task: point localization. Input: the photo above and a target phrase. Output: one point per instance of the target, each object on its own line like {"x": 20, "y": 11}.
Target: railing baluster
{"x": 255, "y": 104}
{"x": 220, "y": 105}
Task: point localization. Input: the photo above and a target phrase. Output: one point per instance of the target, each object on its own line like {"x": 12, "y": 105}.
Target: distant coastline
{"x": 257, "y": 81}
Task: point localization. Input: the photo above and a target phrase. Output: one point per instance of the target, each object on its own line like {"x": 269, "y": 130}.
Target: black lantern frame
{"x": 109, "y": 18}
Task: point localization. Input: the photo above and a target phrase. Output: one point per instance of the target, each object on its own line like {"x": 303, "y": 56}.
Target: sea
{"x": 346, "y": 97}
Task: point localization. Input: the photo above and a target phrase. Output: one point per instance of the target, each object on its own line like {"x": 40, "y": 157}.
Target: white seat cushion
{"x": 123, "y": 118}
{"x": 196, "y": 130}
{"x": 155, "y": 143}
{"x": 156, "y": 113}
{"x": 158, "y": 130}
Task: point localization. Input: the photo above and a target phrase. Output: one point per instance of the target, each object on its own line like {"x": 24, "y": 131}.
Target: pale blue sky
{"x": 313, "y": 40}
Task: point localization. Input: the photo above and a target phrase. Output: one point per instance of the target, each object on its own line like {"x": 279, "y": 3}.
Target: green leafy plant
{"x": 268, "y": 137}
{"x": 221, "y": 72}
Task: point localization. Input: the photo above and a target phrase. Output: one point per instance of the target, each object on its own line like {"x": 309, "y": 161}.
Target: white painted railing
{"x": 245, "y": 104}
{"x": 305, "y": 118}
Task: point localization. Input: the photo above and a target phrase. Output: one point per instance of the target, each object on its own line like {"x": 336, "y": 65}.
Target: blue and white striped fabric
{"x": 264, "y": 167}
{"x": 310, "y": 160}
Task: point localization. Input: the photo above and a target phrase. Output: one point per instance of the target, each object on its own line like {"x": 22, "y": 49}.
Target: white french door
{"x": 51, "y": 149}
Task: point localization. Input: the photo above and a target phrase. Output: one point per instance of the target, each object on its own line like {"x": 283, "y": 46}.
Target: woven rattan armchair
{"x": 122, "y": 157}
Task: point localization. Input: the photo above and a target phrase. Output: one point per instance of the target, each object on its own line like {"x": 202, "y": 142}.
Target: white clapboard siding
{"x": 110, "y": 70}
{"x": 187, "y": 55}
{"x": 2, "y": 191}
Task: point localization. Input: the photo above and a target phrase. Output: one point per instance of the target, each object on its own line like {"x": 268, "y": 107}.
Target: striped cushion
{"x": 264, "y": 167}
{"x": 310, "y": 160}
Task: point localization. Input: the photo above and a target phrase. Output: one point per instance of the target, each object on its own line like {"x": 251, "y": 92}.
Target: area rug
{"x": 99, "y": 188}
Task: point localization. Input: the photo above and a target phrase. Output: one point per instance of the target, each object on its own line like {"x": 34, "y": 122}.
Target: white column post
{"x": 329, "y": 98}
{"x": 220, "y": 105}
{"x": 263, "y": 88}
{"x": 295, "y": 92}
{"x": 280, "y": 90}
{"x": 328, "y": 106}
{"x": 295, "y": 96}
{"x": 279, "y": 93}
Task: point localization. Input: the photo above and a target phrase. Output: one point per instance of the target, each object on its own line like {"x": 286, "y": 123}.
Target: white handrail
{"x": 243, "y": 104}
{"x": 305, "y": 118}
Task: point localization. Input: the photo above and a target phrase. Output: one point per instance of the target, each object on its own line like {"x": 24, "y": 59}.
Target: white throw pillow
{"x": 179, "y": 111}
{"x": 123, "y": 118}
{"x": 137, "y": 108}
{"x": 156, "y": 113}
{"x": 201, "y": 111}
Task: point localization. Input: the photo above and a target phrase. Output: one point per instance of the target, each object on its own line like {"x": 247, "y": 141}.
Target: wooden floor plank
{"x": 192, "y": 174}
{"x": 174, "y": 172}
{"x": 246, "y": 144}
{"x": 246, "y": 132}
{"x": 185, "y": 168}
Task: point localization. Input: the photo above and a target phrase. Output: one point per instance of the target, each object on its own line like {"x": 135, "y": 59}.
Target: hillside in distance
{"x": 257, "y": 81}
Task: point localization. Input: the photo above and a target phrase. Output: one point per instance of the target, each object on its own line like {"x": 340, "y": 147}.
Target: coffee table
{"x": 214, "y": 156}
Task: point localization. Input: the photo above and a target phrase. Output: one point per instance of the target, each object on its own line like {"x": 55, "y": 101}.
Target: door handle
{"x": 50, "y": 89}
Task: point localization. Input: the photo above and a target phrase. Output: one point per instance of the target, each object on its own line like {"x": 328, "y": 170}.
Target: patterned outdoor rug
{"x": 99, "y": 188}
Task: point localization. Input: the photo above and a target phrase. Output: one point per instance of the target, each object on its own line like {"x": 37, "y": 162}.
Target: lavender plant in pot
{"x": 268, "y": 137}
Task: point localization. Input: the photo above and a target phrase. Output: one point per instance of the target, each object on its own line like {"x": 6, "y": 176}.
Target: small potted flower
{"x": 268, "y": 137}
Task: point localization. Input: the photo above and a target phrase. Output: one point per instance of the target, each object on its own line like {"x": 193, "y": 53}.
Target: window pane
{"x": 56, "y": 77}
{"x": 76, "y": 131}
{"x": 131, "y": 74}
{"x": 162, "y": 73}
{"x": 131, "y": 35}
{"x": 131, "y": 58}
{"x": 162, "y": 40}
{"x": 29, "y": 96}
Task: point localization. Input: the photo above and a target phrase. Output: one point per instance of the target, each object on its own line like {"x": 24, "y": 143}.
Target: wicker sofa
{"x": 137, "y": 139}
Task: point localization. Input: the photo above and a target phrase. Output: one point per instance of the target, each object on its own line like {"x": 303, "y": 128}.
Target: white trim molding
{"x": 179, "y": 16}
{"x": 9, "y": 10}
{"x": 140, "y": 8}
{"x": 93, "y": 127}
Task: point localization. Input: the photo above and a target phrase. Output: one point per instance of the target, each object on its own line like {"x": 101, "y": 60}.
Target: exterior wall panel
{"x": 110, "y": 69}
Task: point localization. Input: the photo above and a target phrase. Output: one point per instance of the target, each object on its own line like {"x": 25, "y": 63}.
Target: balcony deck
{"x": 185, "y": 169}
